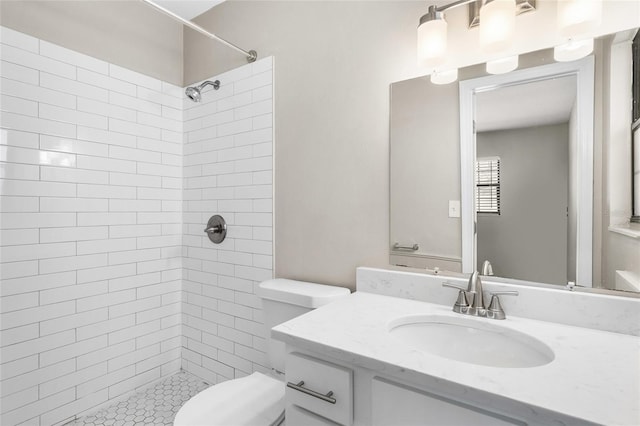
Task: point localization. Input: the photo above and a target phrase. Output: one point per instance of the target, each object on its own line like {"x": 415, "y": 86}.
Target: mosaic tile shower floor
{"x": 156, "y": 405}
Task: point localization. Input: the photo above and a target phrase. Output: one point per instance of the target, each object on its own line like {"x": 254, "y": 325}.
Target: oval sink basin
{"x": 471, "y": 340}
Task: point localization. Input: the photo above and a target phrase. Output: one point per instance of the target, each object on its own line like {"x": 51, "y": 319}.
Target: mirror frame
{"x": 583, "y": 69}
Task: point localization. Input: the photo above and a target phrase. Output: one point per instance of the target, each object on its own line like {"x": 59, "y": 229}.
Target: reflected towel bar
{"x": 414, "y": 247}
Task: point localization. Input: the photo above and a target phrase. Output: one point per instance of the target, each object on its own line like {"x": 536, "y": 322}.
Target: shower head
{"x": 194, "y": 92}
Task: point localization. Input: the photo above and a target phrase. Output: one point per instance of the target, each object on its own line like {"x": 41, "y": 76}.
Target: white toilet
{"x": 258, "y": 399}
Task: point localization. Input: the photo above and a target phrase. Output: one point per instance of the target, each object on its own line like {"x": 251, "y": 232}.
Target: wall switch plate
{"x": 454, "y": 208}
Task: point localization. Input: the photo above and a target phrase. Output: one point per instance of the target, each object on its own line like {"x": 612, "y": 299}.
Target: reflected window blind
{"x": 488, "y": 185}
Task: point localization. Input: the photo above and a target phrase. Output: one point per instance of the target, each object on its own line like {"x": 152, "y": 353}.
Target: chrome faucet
{"x": 477, "y": 300}
{"x": 474, "y": 293}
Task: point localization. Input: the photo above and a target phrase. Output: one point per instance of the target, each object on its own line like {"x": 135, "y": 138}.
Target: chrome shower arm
{"x": 215, "y": 84}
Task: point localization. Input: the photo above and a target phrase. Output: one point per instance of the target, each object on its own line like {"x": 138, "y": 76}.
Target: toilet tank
{"x": 284, "y": 299}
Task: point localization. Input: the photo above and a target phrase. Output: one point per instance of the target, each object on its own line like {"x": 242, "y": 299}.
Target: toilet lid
{"x": 253, "y": 400}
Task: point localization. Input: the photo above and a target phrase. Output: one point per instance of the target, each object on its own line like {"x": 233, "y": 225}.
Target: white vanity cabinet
{"x": 358, "y": 396}
{"x": 394, "y": 382}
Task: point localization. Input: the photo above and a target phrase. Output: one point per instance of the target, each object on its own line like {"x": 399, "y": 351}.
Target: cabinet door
{"x": 297, "y": 416}
{"x": 398, "y": 405}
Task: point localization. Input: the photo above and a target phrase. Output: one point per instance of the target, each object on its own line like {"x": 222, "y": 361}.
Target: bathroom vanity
{"x": 373, "y": 359}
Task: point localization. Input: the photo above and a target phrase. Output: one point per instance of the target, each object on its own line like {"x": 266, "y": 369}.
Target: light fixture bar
{"x": 452, "y": 5}
{"x": 251, "y": 55}
{"x": 522, "y": 6}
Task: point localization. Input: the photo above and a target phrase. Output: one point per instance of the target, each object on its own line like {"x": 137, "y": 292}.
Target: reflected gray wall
{"x": 528, "y": 240}
{"x": 425, "y": 165}
{"x": 126, "y": 33}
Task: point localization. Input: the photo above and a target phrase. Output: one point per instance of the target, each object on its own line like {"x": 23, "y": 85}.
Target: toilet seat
{"x": 255, "y": 400}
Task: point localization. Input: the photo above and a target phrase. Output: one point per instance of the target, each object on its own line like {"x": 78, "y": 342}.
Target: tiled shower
{"x": 228, "y": 165}
{"x": 109, "y": 283}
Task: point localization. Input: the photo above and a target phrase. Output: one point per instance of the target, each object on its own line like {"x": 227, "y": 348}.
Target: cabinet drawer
{"x": 319, "y": 378}
{"x": 297, "y": 416}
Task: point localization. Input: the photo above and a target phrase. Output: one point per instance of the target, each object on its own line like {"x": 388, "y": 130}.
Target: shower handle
{"x": 216, "y": 229}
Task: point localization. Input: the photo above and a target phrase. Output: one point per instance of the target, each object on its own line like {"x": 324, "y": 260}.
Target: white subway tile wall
{"x": 228, "y": 168}
{"x": 107, "y": 178}
{"x": 90, "y": 231}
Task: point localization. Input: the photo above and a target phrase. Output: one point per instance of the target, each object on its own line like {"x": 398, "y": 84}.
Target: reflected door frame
{"x": 583, "y": 69}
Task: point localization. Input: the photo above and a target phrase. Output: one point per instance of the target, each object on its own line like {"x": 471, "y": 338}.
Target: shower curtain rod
{"x": 251, "y": 55}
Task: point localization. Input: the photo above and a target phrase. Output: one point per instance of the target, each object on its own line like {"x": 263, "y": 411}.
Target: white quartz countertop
{"x": 594, "y": 377}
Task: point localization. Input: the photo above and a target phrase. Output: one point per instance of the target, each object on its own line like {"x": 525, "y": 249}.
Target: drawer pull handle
{"x": 299, "y": 387}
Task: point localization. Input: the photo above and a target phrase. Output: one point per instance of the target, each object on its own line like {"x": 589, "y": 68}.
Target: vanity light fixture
{"x": 497, "y": 23}
{"x": 496, "y": 18}
{"x": 575, "y": 18}
{"x": 432, "y": 38}
{"x": 573, "y": 50}
{"x": 502, "y": 65}
{"x": 444, "y": 77}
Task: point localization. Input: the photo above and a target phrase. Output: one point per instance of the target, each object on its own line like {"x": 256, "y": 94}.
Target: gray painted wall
{"x": 528, "y": 240}
{"x": 333, "y": 65}
{"x": 126, "y": 33}
{"x": 331, "y": 124}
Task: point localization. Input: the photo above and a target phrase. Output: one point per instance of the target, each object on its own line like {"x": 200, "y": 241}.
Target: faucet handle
{"x": 462, "y": 304}
{"x": 504, "y": 293}
{"x": 454, "y": 285}
{"x": 495, "y": 310}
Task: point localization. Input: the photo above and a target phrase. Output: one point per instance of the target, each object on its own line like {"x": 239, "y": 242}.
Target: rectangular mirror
{"x": 525, "y": 189}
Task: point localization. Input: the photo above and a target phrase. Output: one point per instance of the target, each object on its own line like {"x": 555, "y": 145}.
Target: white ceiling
{"x": 188, "y": 9}
{"x": 539, "y": 103}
